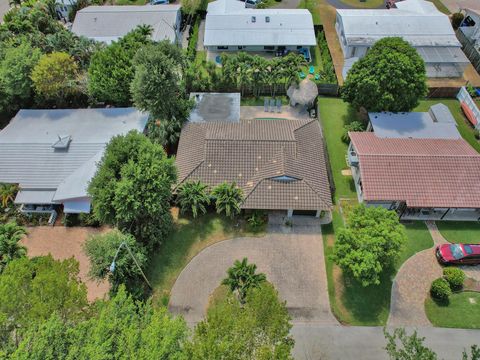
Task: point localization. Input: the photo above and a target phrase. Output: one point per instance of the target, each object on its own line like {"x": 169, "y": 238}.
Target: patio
{"x": 287, "y": 112}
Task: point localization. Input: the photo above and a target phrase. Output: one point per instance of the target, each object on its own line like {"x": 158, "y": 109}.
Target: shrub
{"x": 256, "y": 220}
{"x": 353, "y": 126}
{"x": 455, "y": 277}
{"x": 440, "y": 289}
{"x": 457, "y": 19}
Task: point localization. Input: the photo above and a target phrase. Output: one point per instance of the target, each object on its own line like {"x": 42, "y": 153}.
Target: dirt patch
{"x": 63, "y": 243}
{"x": 347, "y": 172}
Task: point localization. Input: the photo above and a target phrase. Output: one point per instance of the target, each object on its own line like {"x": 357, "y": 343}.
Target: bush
{"x": 256, "y": 220}
{"x": 440, "y": 289}
{"x": 455, "y": 277}
{"x": 353, "y": 126}
{"x": 457, "y": 19}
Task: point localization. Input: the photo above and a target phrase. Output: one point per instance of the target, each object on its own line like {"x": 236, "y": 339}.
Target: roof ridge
{"x": 316, "y": 192}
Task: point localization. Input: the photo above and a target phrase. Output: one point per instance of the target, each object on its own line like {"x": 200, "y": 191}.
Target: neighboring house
{"x": 469, "y": 35}
{"x": 109, "y": 23}
{"x": 420, "y": 178}
{"x": 437, "y": 123}
{"x": 230, "y": 26}
{"x": 215, "y": 107}
{"x": 63, "y": 8}
{"x": 279, "y": 164}
{"x": 416, "y": 21}
{"x": 53, "y": 154}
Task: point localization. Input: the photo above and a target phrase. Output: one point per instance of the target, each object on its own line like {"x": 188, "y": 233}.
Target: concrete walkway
{"x": 412, "y": 284}
{"x": 313, "y": 342}
{"x": 292, "y": 259}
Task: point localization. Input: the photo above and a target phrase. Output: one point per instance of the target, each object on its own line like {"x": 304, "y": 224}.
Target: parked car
{"x": 159, "y": 2}
{"x": 458, "y": 254}
{"x": 251, "y": 3}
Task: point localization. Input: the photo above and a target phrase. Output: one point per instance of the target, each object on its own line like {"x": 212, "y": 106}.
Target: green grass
{"x": 130, "y": 2}
{"x": 460, "y": 231}
{"x": 354, "y": 304}
{"x": 367, "y": 4}
{"x": 459, "y": 313}
{"x": 465, "y": 129}
{"x": 313, "y": 7}
{"x": 334, "y": 114}
{"x": 189, "y": 238}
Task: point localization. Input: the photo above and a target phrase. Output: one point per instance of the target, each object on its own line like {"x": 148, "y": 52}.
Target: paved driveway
{"x": 292, "y": 261}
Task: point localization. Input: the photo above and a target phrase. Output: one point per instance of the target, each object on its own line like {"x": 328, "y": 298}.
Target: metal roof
{"x": 435, "y": 124}
{"x": 27, "y": 157}
{"x": 416, "y": 21}
{"x": 229, "y": 23}
{"x": 109, "y": 23}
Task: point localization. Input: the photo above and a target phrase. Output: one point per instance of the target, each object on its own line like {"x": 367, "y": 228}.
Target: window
{"x": 267, "y": 18}
{"x": 241, "y": 47}
{"x": 222, "y": 47}
{"x": 456, "y": 251}
{"x": 269, "y": 48}
{"x": 299, "y": 47}
{"x": 468, "y": 249}
{"x": 254, "y": 19}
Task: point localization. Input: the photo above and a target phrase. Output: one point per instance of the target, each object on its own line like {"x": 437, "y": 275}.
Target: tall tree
{"x": 159, "y": 88}
{"x": 111, "y": 70}
{"x": 10, "y": 249}
{"x": 242, "y": 277}
{"x": 369, "y": 244}
{"x": 228, "y": 199}
{"x": 101, "y": 250}
{"x": 401, "y": 346}
{"x": 7, "y": 193}
{"x": 391, "y": 77}
{"x": 55, "y": 77}
{"x": 259, "y": 329}
{"x": 193, "y": 197}
{"x": 132, "y": 188}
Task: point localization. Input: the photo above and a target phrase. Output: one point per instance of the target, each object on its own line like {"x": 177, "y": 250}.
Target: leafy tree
{"x": 55, "y": 77}
{"x": 390, "y": 77}
{"x": 228, "y": 199}
{"x": 7, "y": 193}
{"x": 10, "y": 249}
{"x": 159, "y": 88}
{"x": 31, "y": 290}
{"x": 369, "y": 243}
{"x": 101, "y": 250}
{"x": 193, "y": 196}
{"x": 257, "y": 330}
{"x": 111, "y": 69}
{"x": 125, "y": 329}
{"x": 132, "y": 188}
{"x": 353, "y": 126}
{"x": 15, "y": 82}
{"x": 410, "y": 347}
{"x": 242, "y": 277}
{"x": 475, "y": 353}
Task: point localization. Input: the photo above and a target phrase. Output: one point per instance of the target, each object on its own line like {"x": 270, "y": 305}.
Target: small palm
{"x": 10, "y": 249}
{"x": 193, "y": 197}
{"x": 243, "y": 277}
{"x": 228, "y": 199}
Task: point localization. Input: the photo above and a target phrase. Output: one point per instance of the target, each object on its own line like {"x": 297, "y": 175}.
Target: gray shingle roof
{"x": 252, "y": 154}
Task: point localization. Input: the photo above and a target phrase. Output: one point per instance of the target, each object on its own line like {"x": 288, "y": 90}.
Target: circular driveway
{"x": 293, "y": 262}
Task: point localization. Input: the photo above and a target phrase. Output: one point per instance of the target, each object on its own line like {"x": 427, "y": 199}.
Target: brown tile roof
{"x": 422, "y": 172}
{"x": 251, "y": 153}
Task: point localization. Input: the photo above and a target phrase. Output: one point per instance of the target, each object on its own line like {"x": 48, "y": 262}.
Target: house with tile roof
{"x": 53, "y": 154}
{"x": 278, "y": 164}
{"x": 420, "y": 178}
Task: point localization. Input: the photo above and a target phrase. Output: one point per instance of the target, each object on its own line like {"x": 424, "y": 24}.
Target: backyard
{"x": 189, "y": 237}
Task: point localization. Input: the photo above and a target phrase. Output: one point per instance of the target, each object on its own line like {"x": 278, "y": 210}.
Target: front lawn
{"x": 460, "y": 231}
{"x": 189, "y": 238}
{"x": 313, "y": 7}
{"x": 462, "y": 311}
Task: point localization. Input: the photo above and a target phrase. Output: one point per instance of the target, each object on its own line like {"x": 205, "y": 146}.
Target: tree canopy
{"x": 10, "y": 249}
{"x": 369, "y": 244}
{"x": 132, "y": 188}
{"x": 390, "y": 77}
{"x": 193, "y": 197}
{"x": 228, "y": 199}
{"x": 159, "y": 88}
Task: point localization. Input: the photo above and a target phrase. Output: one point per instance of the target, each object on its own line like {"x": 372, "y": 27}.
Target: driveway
{"x": 63, "y": 243}
{"x": 292, "y": 259}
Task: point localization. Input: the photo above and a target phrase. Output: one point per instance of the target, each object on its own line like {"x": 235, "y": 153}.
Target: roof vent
{"x": 267, "y": 19}
{"x": 62, "y": 142}
{"x": 254, "y": 19}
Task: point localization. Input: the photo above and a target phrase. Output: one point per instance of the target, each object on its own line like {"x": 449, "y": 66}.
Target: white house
{"x": 109, "y": 23}
{"x": 416, "y": 21}
{"x": 53, "y": 154}
{"x": 230, "y": 26}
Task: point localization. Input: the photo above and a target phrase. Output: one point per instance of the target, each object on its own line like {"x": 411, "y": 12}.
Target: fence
{"x": 472, "y": 54}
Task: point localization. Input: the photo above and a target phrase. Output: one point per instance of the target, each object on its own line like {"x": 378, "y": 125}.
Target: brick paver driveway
{"x": 292, "y": 261}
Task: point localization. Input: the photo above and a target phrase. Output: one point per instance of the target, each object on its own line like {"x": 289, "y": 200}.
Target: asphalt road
{"x": 314, "y": 342}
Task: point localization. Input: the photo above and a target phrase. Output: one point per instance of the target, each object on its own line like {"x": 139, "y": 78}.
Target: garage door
{"x": 305, "y": 212}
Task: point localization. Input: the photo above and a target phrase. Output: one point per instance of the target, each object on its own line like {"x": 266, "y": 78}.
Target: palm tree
{"x": 228, "y": 198}
{"x": 242, "y": 277}
{"x": 193, "y": 196}
{"x": 10, "y": 235}
{"x": 7, "y": 193}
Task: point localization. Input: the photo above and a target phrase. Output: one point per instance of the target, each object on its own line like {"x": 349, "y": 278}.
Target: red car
{"x": 459, "y": 254}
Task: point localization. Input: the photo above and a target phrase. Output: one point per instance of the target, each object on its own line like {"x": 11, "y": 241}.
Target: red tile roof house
{"x": 279, "y": 164}
{"x": 422, "y": 179}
